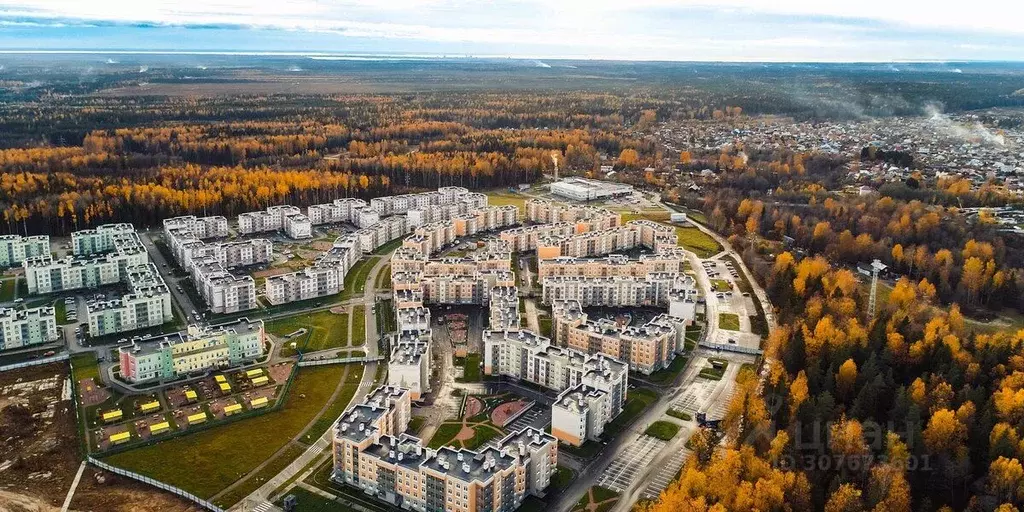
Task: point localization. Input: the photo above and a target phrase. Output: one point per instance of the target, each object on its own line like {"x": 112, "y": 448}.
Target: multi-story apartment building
{"x": 102, "y": 257}
{"x": 15, "y": 249}
{"x": 599, "y": 381}
{"x": 147, "y": 304}
{"x": 580, "y": 414}
{"x": 223, "y": 291}
{"x": 372, "y": 453}
{"x": 653, "y": 289}
{"x": 201, "y": 227}
{"x": 340, "y": 210}
{"x": 198, "y": 349}
{"x": 297, "y": 225}
{"x": 525, "y": 238}
{"x": 413, "y": 318}
{"x": 647, "y": 348}
{"x": 503, "y": 310}
{"x": 409, "y": 365}
{"x": 285, "y": 218}
{"x": 672, "y": 260}
{"x": 588, "y": 218}
{"x": 24, "y": 327}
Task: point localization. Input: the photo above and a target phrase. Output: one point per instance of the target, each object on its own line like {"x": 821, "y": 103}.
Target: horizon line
{"x": 443, "y": 56}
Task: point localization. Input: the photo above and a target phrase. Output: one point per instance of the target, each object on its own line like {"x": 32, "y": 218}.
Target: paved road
{"x": 164, "y": 267}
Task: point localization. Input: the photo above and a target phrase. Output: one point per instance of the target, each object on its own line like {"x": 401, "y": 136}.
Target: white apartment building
{"x": 339, "y": 210}
{"x": 297, "y": 226}
{"x": 24, "y": 327}
{"x": 285, "y": 218}
{"x": 102, "y": 257}
{"x": 409, "y": 365}
{"x": 15, "y": 249}
{"x": 215, "y": 226}
{"x": 148, "y": 304}
{"x": 580, "y": 414}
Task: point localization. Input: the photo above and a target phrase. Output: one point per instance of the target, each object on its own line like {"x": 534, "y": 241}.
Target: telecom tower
{"x": 876, "y": 267}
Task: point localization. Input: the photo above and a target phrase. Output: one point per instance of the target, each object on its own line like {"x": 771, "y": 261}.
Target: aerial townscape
{"x": 356, "y": 256}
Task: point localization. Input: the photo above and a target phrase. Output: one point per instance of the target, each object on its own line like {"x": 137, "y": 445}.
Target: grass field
{"x": 637, "y": 400}
{"x": 664, "y": 430}
{"x": 358, "y": 325}
{"x": 504, "y": 198}
{"x": 207, "y": 462}
{"x": 7, "y": 287}
{"x": 712, "y": 373}
{"x": 679, "y": 414}
{"x": 691, "y": 238}
{"x": 697, "y": 241}
{"x": 85, "y": 366}
{"x": 471, "y": 368}
{"x": 444, "y": 434}
{"x": 336, "y": 407}
{"x": 729, "y": 321}
{"x": 390, "y": 246}
{"x": 668, "y": 375}
{"x": 324, "y": 330}
{"x": 384, "y": 278}
{"x": 355, "y": 280}
{"x": 259, "y": 478}
{"x": 720, "y": 285}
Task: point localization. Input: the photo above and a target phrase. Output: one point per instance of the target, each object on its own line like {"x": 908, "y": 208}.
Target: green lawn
{"x": 720, "y": 285}
{"x": 415, "y": 424}
{"x": 85, "y": 366}
{"x": 544, "y": 322}
{"x": 713, "y": 373}
{"x": 206, "y": 462}
{"x": 358, "y": 325}
{"x": 695, "y": 240}
{"x": 259, "y": 478}
{"x": 729, "y": 321}
{"x": 636, "y": 401}
{"x": 384, "y": 278}
{"x": 336, "y": 407}
{"x": 444, "y": 435}
{"x": 324, "y": 330}
{"x": 680, "y": 415}
{"x": 664, "y": 430}
{"x": 390, "y": 246}
{"x": 309, "y": 502}
{"x": 562, "y": 478}
{"x": 471, "y": 368}
{"x": 606, "y": 498}
{"x": 668, "y": 375}
{"x": 7, "y": 287}
{"x": 482, "y": 434}
{"x": 355, "y": 279}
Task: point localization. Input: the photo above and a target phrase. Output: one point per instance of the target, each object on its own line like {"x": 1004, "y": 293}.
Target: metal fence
{"x": 156, "y": 483}
{"x": 339, "y": 360}
{"x": 35, "y": 362}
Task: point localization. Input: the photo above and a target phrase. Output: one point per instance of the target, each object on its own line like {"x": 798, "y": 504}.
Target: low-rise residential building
{"x": 196, "y": 350}
{"x": 147, "y": 304}
{"x": 372, "y": 453}
{"x": 24, "y": 327}
{"x": 15, "y": 249}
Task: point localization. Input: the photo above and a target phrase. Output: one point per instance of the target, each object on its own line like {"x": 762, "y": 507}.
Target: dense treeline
{"x": 302, "y": 152}
{"x": 910, "y": 410}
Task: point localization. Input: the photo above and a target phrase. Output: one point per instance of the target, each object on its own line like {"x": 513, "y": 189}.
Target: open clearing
{"x": 324, "y": 330}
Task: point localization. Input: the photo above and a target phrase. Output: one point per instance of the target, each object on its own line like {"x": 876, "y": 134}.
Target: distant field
{"x": 504, "y": 198}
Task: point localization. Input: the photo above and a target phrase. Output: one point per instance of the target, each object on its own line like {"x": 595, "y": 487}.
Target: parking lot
{"x": 624, "y": 470}
{"x": 665, "y": 474}
{"x": 538, "y": 416}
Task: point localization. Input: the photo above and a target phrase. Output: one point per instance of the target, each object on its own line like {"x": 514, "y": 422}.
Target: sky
{"x": 672, "y": 30}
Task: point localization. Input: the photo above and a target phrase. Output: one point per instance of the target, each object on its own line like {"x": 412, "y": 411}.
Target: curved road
{"x": 260, "y": 497}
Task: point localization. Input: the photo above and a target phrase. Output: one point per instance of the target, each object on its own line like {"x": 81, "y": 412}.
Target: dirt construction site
{"x": 40, "y": 450}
